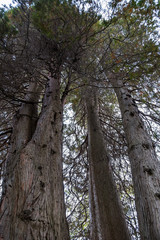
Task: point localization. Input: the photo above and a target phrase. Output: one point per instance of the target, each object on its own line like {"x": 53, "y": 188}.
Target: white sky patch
{"x": 8, "y": 2}
{"x": 5, "y": 2}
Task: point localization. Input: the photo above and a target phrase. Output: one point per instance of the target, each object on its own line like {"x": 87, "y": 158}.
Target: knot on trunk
{"x": 42, "y": 185}
{"x": 25, "y": 215}
{"x": 148, "y": 170}
{"x": 146, "y": 146}
{"x": 157, "y": 195}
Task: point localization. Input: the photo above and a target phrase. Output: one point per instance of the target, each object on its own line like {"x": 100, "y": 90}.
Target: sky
{"x": 6, "y": 2}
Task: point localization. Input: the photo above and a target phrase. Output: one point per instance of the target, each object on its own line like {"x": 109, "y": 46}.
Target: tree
{"x": 141, "y": 149}
{"x": 107, "y": 218}
{"x": 32, "y": 205}
{"x": 49, "y": 50}
{"x": 144, "y": 164}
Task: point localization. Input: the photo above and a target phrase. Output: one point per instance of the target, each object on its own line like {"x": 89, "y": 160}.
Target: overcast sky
{"x": 7, "y": 2}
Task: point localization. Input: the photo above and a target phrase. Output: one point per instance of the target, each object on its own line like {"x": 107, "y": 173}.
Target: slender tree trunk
{"x": 32, "y": 206}
{"x": 144, "y": 164}
{"x": 93, "y": 214}
{"x": 110, "y": 219}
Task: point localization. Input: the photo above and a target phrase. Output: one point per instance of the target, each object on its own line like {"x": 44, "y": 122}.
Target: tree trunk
{"x": 94, "y": 228}
{"x": 32, "y": 205}
{"x": 144, "y": 164}
{"x": 110, "y": 219}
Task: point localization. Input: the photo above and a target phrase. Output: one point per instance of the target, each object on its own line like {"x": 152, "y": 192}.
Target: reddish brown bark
{"x": 32, "y": 206}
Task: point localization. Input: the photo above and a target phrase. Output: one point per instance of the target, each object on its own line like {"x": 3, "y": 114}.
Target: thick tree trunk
{"x": 32, "y": 206}
{"x": 144, "y": 164}
{"x": 110, "y": 219}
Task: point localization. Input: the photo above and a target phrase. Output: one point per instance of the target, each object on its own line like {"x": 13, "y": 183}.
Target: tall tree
{"x": 144, "y": 163}
{"x": 55, "y": 42}
{"x": 33, "y": 203}
{"x": 32, "y": 206}
{"x": 131, "y": 69}
{"x": 108, "y": 221}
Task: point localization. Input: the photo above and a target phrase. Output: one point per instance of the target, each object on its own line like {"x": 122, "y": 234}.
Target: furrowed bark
{"x": 25, "y": 119}
{"x": 93, "y": 214}
{"x": 33, "y": 204}
{"x": 110, "y": 219}
{"x": 144, "y": 164}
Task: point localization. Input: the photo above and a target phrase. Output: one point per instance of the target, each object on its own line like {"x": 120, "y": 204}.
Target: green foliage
{"x": 7, "y": 29}
{"x": 62, "y": 21}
